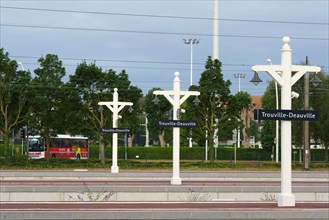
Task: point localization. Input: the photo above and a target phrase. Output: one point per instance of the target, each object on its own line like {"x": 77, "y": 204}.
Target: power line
{"x": 154, "y": 32}
{"x": 139, "y": 61}
{"x": 128, "y": 61}
{"x": 145, "y": 67}
{"x": 163, "y": 0}
{"x": 164, "y": 16}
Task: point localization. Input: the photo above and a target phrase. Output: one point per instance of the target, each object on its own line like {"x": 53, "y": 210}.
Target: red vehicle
{"x": 62, "y": 146}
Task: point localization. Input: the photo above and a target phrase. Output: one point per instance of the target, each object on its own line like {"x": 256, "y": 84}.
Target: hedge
{"x": 198, "y": 153}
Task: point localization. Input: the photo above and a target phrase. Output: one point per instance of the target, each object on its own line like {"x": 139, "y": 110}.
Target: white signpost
{"x": 174, "y": 97}
{"x": 115, "y": 106}
{"x": 286, "y": 80}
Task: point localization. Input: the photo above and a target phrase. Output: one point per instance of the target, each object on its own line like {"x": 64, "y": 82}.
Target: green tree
{"x": 93, "y": 85}
{"x": 131, "y": 119}
{"x": 243, "y": 105}
{"x": 254, "y": 130}
{"x": 129, "y": 93}
{"x": 268, "y": 130}
{"x": 215, "y": 102}
{"x": 14, "y": 84}
{"x": 297, "y": 126}
{"x": 320, "y": 102}
{"x": 156, "y": 112}
{"x": 48, "y": 93}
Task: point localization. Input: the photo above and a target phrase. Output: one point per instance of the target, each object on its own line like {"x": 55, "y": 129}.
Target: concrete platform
{"x": 149, "y": 195}
{"x": 182, "y": 210}
{"x": 155, "y": 186}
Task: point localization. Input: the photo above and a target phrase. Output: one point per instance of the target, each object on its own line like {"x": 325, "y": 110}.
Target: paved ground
{"x": 229, "y": 175}
{"x": 160, "y": 210}
{"x": 43, "y": 206}
{"x": 147, "y": 210}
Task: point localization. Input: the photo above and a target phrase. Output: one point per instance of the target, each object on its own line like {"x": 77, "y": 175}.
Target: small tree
{"x": 320, "y": 102}
{"x": 14, "y": 85}
{"x": 243, "y": 104}
{"x": 156, "y": 112}
{"x": 48, "y": 96}
{"x": 215, "y": 98}
{"x": 268, "y": 130}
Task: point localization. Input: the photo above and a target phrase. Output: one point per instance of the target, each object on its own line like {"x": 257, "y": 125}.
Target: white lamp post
{"x": 147, "y": 134}
{"x": 239, "y": 76}
{"x": 21, "y": 64}
{"x": 115, "y": 106}
{"x": 216, "y": 30}
{"x": 191, "y": 42}
{"x": 286, "y": 80}
{"x": 174, "y": 97}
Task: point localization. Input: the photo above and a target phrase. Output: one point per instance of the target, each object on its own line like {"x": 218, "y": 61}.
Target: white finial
{"x": 176, "y": 73}
{"x": 286, "y": 41}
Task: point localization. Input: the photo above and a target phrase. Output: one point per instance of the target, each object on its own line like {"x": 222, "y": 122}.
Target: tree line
{"x": 50, "y": 106}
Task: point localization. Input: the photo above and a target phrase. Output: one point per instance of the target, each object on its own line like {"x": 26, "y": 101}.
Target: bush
{"x": 18, "y": 160}
{"x": 197, "y": 153}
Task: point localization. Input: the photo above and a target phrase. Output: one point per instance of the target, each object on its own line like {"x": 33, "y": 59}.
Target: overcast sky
{"x": 146, "y": 37}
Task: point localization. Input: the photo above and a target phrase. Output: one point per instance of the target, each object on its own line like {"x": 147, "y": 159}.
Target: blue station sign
{"x": 288, "y": 115}
{"x": 176, "y": 123}
{"x": 114, "y": 130}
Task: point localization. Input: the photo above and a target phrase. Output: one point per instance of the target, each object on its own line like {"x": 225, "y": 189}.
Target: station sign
{"x": 176, "y": 123}
{"x": 288, "y": 115}
{"x": 114, "y": 130}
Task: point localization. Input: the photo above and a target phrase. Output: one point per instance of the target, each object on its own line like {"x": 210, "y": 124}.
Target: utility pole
{"x": 306, "y": 123}
{"x": 216, "y": 30}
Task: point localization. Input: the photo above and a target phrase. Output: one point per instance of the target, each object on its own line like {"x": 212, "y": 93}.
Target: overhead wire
{"x": 163, "y": 0}
{"x": 164, "y": 16}
{"x": 129, "y": 61}
{"x": 18, "y": 57}
{"x": 157, "y": 32}
{"x": 154, "y": 32}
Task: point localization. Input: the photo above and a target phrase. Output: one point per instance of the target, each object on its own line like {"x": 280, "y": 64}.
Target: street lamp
{"x": 175, "y": 99}
{"x": 286, "y": 80}
{"x": 256, "y": 80}
{"x": 21, "y": 64}
{"x": 101, "y": 137}
{"x": 115, "y": 106}
{"x": 276, "y": 121}
{"x": 239, "y": 76}
{"x": 191, "y": 42}
{"x": 315, "y": 81}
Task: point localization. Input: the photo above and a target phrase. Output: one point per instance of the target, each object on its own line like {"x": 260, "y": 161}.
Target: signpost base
{"x": 176, "y": 181}
{"x": 285, "y": 200}
{"x": 114, "y": 169}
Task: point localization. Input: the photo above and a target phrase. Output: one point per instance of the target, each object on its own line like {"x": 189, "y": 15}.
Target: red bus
{"x": 62, "y": 146}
